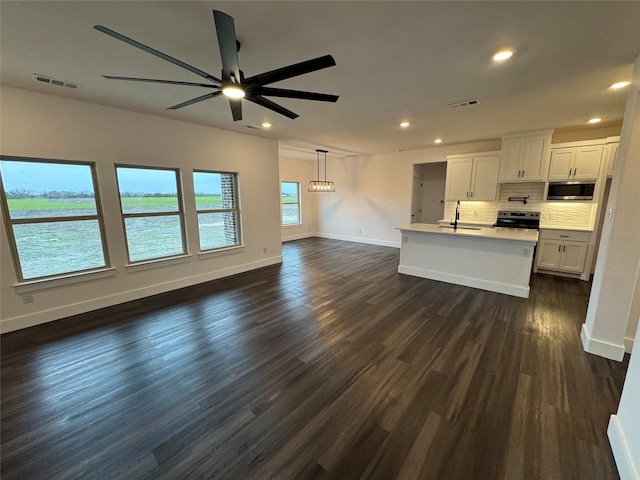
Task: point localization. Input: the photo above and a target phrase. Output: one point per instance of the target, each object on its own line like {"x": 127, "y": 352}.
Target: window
{"x": 218, "y": 209}
{"x": 53, "y": 217}
{"x": 151, "y": 204}
{"x": 291, "y": 203}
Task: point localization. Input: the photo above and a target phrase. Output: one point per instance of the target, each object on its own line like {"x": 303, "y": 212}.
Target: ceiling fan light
{"x": 233, "y": 91}
{"x": 595, "y": 120}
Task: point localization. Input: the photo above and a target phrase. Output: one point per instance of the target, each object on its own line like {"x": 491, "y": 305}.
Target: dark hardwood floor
{"x": 330, "y": 366}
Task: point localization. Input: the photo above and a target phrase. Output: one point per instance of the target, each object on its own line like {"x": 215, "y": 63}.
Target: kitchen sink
{"x": 461, "y": 228}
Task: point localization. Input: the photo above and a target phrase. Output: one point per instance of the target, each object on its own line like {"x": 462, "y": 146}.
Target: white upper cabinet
{"x": 610, "y": 154}
{"x": 575, "y": 163}
{"x": 525, "y": 157}
{"x": 458, "y": 178}
{"x": 472, "y": 176}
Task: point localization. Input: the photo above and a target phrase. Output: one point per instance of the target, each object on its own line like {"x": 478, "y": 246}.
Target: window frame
{"x": 10, "y": 222}
{"x": 237, "y": 210}
{"x": 179, "y": 212}
{"x": 299, "y": 203}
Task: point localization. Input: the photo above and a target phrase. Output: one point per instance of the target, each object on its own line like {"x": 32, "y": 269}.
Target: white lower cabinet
{"x": 562, "y": 251}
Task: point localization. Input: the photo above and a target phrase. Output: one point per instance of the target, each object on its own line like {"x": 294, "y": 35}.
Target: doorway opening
{"x": 427, "y": 195}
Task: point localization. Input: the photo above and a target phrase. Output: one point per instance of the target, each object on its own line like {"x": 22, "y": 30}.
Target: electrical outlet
{"x": 525, "y": 252}
{"x": 27, "y": 298}
{"x": 359, "y": 232}
{"x": 264, "y": 250}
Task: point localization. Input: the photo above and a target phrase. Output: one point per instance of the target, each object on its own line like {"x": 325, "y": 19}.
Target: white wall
{"x": 373, "y": 193}
{"x": 301, "y": 171}
{"x": 45, "y": 126}
{"x": 615, "y": 297}
{"x": 624, "y": 427}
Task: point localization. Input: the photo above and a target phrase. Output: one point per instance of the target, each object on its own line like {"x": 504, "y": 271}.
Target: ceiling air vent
{"x": 466, "y": 103}
{"x": 53, "y": 81}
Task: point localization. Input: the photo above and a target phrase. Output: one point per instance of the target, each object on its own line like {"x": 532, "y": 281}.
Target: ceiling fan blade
{"x": 263, "y": 102}
{"x": 154, "y": 80}
{"x": 236, "y": 108}
{"x": 291, "y": 71}
{"x": 226, "y": 32}
{"x": 158, "y": 54}
{"x": 282, "y": 92}
{"x": 195, "y": 100}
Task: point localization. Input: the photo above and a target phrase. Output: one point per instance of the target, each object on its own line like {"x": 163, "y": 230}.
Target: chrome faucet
{"x": 455, "y": 223}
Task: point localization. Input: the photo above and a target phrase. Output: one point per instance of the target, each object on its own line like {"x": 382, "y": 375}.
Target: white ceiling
{"x": 395, "y": 60}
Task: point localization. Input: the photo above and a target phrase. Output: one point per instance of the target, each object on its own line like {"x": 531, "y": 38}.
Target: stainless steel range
{"x": 511, "y": 219}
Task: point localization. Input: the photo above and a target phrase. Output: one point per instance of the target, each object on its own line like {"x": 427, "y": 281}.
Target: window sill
{"x": 157, "y": 263}
{"x": 221, "y": 251}
{"x": 292, "y": 225}
{"x": 63, "y": 281}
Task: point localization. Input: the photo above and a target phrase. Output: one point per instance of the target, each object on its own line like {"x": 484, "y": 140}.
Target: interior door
{"x": 416, "y": 200}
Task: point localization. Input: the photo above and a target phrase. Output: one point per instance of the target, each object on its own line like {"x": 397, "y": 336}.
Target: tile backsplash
{"x": 552, "y": 214}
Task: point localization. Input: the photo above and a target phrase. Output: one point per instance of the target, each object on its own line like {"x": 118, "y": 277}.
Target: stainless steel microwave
{"x": 571, "y": 190}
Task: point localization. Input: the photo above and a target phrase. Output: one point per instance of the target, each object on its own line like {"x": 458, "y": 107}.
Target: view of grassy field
{"x": 52, "y": 248}
{"x": 67, "y": 203}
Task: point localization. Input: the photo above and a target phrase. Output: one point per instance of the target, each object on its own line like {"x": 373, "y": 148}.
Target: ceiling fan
{"x": 233, "y": 83}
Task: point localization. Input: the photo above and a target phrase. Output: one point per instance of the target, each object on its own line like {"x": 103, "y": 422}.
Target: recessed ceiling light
{"x": 503, "y": 54}
{"x": 437, "y": 140}
{"x": 266, "y": 125}
{"x": 618, "y": 85}
{"x": 404, "y": 124}
{"x": 595, "y": 120}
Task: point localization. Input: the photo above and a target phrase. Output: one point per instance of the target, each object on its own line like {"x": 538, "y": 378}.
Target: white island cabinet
{"x": 494, "y": 259}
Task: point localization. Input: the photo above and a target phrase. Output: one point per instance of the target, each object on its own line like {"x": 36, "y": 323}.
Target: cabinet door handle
{"x": 575, "y": 170}
{"x": 471, "y": 194}
{"x": 559, "y": 247}
{"x": 523, "y": 173}
{"x": 564, "y": 247}
{"x": 564, "y": 236}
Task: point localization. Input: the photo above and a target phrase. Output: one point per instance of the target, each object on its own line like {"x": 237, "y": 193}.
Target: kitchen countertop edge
{"x": 521, "y": 235}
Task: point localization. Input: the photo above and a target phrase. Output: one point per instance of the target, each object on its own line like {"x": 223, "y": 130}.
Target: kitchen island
{"x": 494, "y": 259}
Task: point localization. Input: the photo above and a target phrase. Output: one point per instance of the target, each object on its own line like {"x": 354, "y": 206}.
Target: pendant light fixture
{"x": 321, "y": 185}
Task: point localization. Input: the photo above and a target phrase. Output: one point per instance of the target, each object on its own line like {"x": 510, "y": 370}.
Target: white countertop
{"x": 518, "y": 234}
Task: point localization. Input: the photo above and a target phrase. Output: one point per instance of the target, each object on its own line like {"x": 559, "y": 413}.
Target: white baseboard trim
{"x": 514, "y": 290}
{"x": 628, "y": 344}
{"x": 599, "y": 347}
{"x": 370, "y": 241}
{"x": 298, "y": 236}
{"x": 621, "y": 453}
{"x": 44, "y": 316}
